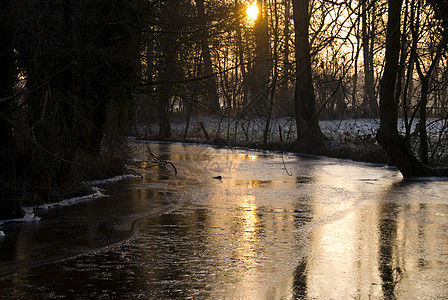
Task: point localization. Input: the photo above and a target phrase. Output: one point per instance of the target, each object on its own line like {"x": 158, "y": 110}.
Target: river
{"x": 237, "y": 224}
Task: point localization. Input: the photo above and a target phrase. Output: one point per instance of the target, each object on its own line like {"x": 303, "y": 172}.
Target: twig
{"x": 134, "y": 172}
{"x": 204, "y": 131}
{"x": 159, "y": 161}
{"x": 284, "y": 166}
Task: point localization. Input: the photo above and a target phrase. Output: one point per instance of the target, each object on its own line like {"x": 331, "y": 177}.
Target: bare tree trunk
{"x": 408, "y": 80}
{"x": 423, "y": 149}
{"x": 169, "y": 73}
{"x": 370, "y": 102}
{"x": 388, "y": 136}
{"x": 274, "y": 77}
{"x": 212, "y": 91}
{"x": 425, "y": 84}
{"x": 244, "y": 77}
{"x": 388, "y": 107}
{"x": 164, "y": 119}
{"x": 285, "y": 95}
{"x": 9, "y": 206}
{"x": 287, "y": 36}
{"x": 147, "y": 101}
{"x": 309, "y": 134}
{"x": 355, "y": 74}
{"x": 263, "y": 61}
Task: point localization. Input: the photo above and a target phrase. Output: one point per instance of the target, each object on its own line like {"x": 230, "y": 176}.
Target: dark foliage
{"x": 441, "y": 12}
{"x": 78, "y": 62}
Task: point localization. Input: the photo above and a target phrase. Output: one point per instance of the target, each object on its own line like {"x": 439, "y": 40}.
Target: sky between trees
{"x": 77, "y": 75}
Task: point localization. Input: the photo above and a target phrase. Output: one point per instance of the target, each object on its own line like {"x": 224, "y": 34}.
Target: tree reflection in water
{"x": 334, "y": 229}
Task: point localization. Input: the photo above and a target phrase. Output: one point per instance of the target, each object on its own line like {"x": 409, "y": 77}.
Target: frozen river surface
{"x": 272, "y": 227}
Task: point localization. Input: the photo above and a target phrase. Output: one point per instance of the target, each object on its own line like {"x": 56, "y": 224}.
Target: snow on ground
{"x": 113, "y": 179}
{"x": 97, "y": 193}
{"x": 237, "y": 130}
{"x": 28, "y": 217}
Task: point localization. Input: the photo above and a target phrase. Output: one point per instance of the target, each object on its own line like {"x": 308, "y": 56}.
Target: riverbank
{"x": 30, "y": 213}
{"x": 347, "y": 139}
{"x": 352, "y": 139}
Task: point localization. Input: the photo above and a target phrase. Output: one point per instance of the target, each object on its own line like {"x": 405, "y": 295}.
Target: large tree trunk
{"x": 388, "y": 136}
{"x": 210, "y": 81}
{"x": 263, "y": 61}
{"x": 9, "y": 206}
{"x": 285, "y": 97}
{"x": 169, "y": 72}
{"x": 275, "y": 32}
{"x": 287, "y": 37}
{"x": 309, "y": 134}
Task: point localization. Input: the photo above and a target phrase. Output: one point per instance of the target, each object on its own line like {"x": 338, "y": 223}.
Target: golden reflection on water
{"x": 375, "y": 239}
{"x": 419, "y": 249}
{"x": 343, "y": 260}
{"x": 243, "y": 232}
{"x": 248, "y": 156}
{"x": 235, "y": 239}
{"x": 351, "y": 232}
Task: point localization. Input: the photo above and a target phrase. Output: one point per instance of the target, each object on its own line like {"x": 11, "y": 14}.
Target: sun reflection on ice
{"x": 248, "y": 156}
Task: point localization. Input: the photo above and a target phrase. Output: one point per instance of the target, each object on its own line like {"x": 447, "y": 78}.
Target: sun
{"x": 252, "y": 12}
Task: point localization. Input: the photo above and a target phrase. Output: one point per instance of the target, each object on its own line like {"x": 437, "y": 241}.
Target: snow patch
{"x": 28, "y": 217}
{"x": 97, "y": 193}
{"x": 113, "y": 179}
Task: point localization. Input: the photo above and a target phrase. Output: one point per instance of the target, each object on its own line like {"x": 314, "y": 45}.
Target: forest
{"x": 78, "y": 77}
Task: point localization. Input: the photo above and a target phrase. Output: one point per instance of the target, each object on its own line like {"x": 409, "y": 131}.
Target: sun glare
{"x": 252, "y": 12}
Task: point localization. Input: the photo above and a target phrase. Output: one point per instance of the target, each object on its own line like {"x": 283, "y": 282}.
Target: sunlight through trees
{"x": 87, "y": 74}
{"x": 252, "y": 12}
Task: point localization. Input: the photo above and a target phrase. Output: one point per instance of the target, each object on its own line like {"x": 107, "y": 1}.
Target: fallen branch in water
{"x": 154, "y": 161}
{"x": 133, "y": 172}
{"x": 284, "y": 166}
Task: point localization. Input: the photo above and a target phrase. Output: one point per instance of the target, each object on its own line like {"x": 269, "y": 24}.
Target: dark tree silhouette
{"x": 72, "y": 71}
{"x": 395, "y": 145}
{"x": 309, "y": 134}
{"x": 9, "y": 206}
{"x": 211, "y": 88}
